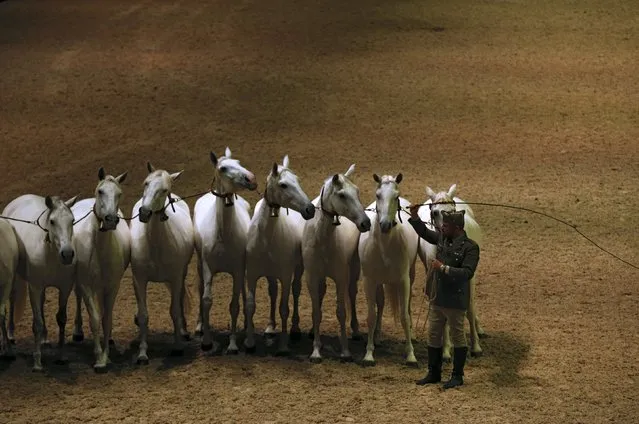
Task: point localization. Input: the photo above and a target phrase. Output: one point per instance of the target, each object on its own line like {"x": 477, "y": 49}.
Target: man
{"x": 448, "y": 288}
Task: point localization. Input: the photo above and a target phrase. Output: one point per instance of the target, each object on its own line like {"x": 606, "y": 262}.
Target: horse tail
{"x": 18, "y": 298}
{"x": 392, "y": 294}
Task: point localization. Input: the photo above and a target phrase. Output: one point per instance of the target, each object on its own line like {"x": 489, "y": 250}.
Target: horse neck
{"x": 159, "y": 232}
{"x": 264, "y": 220}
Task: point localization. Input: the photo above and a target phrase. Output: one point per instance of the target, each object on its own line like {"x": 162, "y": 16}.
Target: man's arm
{"x": 423, "y": 231}
{"x": 468, "y": 266}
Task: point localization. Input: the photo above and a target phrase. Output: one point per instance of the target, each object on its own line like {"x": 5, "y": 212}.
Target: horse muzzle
{"x": 66, "y": 256}
{"x": 144, "y": 215}
{"x": 365, "y": 225}
{"x": 109, "y": 223}
{"x": 308, "y": 212}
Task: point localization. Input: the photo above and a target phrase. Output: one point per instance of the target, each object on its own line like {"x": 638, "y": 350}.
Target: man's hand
{"x": 437, "y": 265}
{"x": 413, "y": 209}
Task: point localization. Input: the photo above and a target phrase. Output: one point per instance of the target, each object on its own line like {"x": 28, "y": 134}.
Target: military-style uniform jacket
{"x": 461, "y": 254}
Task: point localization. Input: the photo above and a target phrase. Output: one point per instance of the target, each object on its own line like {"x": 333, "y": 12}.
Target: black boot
{"x": 459, "y": 360}
{"x": 434, "y": 367}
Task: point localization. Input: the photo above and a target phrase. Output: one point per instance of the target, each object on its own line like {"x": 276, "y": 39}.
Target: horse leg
{"x": 35, "y": 297}
{"x": 177, "y": 286}
{"x": 372, "y": 291}
{"x": 475, "y": 349}
{"x": 295, "y": 332}
{"x": 61, "y": 318}
{"x": 108, "y": 301}
{"x": 78, "y": 333}
{"x": 234, "y": 308}
{"x": 447, "y": 346}
{"x": 272, "y": 294}
{"x": 341, "y": 287}
{"x": 322, "y": 293}
{"x": 184, "y": 333}
{"x": 249, "y": 341}
{"x": 45, "y": 332}
{"x": 284, "y": 312}
{"x": 315, "y": 290}
{"x": 206, "y": 302}
{"x": 7, "y": 350}
{"x": 89, "y": 297}
{"x": 354, "y": 273}
{"x": 142, "y": 318}
{"x": 12, "y": 324}
{"x": 200, "y": 286}
{"x": 380, "y": 300}
{"x": 411, "y": 276}
{"x": 406, "y": 322}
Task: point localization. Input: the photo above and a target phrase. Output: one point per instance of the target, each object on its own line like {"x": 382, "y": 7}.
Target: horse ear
{"x": 150, "y": 167}
{"x": 227, "y": 152}
{"x": 49, "y": 202}
{"x": 399, "y": 178}
{"x": 175, "y": 175}
{"x": 452, "y": 190}
{"x": 120, "y": 178}
{"x": 376, "y": 178}
{"x": 430, "y": 193}
{"x": 213, "y": 159}
{"x": 336, "y": 180}
{"x": 71, "y": 201}
{"x": 285, "y": 162}
{"x": 350, "y": 171}
{"x": 274, "y": 170}
{"x": 101, "y": 173}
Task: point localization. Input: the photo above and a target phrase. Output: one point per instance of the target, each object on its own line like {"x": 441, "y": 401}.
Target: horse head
{"x": 340, "y": 197}
{"x": 283, "y": 190}
{"x": 230, "y": 176}
{"x": 107, "y": 200}
{"x": 387, "y": 200}
{"x": 157, "y": 187}
{"x": 59, "y": 226}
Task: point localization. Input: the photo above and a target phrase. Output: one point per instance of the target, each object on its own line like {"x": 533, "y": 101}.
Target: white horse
{"x": 103, "y": 243}
{"x": 47, "y": 259}
{"x": 437, "y": 202}
{"x": 221, "y": 220}
{"x": 161, "y": 249}
{"x": 9, "y": 255}
{"x": 387, "y": 254}
{"x": 329, "y": 249}
{"x": 274, "y": 248}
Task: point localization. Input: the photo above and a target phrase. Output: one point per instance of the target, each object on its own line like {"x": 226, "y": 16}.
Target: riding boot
{"x": 459, "y": 360}
{"x": 434, "y": 367}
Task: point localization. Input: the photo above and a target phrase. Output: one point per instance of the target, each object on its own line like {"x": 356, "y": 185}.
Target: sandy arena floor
{"x": 525, "y": 103}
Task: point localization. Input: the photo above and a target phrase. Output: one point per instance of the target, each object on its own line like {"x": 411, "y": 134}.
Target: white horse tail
{"x": 19, "y": 299}
{"x": 392, "y": 297}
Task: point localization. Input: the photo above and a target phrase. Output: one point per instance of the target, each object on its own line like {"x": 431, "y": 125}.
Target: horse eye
{"x": 101, "y": 192}
{"x": 342, "y": 196}
{"x": 223, "y": 169}
{"x": 284, "y": 186}
{"x": 378, "y": 196}
{"x": 52, "y": 222}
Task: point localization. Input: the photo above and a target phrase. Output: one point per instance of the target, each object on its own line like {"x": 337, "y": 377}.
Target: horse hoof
{"x": 412, "y": 364}
{"x": 316, "y": 360}
{"x": 206, "y": 347}
{"x": 368, "y": 363}
{"x": 348, "y": 358}
{"x": 251, "y": 349}
{"x": 77, "y": 338}
{"x": 483, "y": 335}
{"x": 100, "y": 369}
{"x": 477, "y": 354}
{"x": 37, "y": 369}
{"x": 111, "y": 342}
{"x": 295, "y": 335}
{"x": 177, "y": 352}
{"x": 186, "y": 337}
{"x": 282, "y": 352}
{"x": 230, "y": 351}
{"x": 61, "y": 361}
{"x": 143, "y": 361}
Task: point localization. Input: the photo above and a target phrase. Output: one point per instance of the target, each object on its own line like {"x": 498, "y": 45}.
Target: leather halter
{"x": 333, "y": 215}
{"x": 228, "y": 198}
